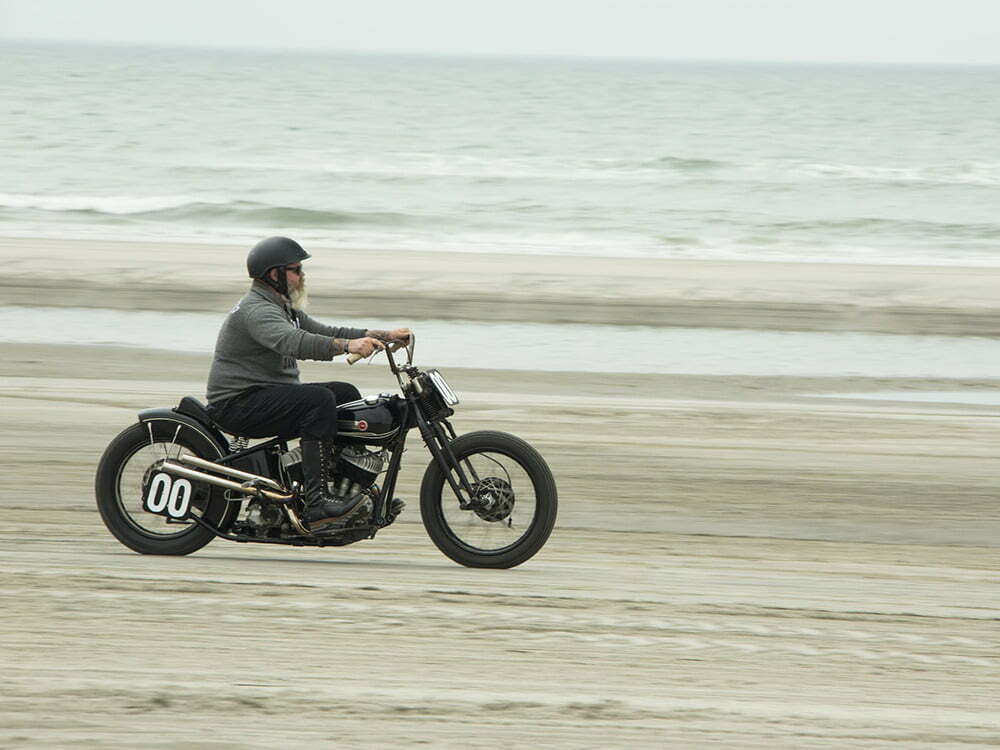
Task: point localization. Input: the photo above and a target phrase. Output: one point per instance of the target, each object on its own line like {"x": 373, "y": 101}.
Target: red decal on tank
{"x": 362, "y": 425}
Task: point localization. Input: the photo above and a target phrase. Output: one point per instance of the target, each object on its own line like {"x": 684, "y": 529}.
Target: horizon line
{"x": 487, "y": 55}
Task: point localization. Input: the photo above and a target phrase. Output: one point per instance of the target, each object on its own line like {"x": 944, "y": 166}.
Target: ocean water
{"x": 610, "y": 158}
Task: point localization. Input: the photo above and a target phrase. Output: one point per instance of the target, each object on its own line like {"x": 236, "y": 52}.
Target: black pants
{"x": 307, "y": 410}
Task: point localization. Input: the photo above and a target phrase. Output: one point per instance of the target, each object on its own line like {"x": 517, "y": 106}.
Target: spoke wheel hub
{"x": 492, "y": 499}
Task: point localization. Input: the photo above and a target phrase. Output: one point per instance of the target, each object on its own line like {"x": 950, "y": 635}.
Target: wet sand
{"x": 735, "y": 565}
{"x": 357, "y": 283}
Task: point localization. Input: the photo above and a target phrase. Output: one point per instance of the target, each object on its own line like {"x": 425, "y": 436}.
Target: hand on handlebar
{"x": 364, "y": 347}
{"x": 400, "y": 334}
{"x": 361, "y": 348}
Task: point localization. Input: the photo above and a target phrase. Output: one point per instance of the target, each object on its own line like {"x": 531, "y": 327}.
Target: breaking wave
{"x": 187, "y": 208}
{"x": 973, "y": 174}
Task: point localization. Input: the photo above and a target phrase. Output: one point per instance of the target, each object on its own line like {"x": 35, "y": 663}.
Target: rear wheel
{"x": 513, "y": 507}
{"x": 119, "y": 481}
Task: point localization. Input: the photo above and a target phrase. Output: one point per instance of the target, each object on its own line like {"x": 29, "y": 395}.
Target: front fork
{"x": 438, "y": 436}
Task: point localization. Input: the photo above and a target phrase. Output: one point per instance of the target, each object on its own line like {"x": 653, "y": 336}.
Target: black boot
{"x": 322, "y": 506}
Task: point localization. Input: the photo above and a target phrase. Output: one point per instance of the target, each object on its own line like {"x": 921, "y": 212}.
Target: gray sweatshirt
{"x": 261, "y": 340}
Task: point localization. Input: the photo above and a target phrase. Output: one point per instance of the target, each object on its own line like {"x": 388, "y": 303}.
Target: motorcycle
{"x": 173, "y": 482}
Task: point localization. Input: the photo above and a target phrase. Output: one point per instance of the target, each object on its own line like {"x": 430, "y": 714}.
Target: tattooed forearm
{"x": 384, "y": 336}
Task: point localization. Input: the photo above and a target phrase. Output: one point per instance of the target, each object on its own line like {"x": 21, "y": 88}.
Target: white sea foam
{"x": 972, "y": 398}
{"x": 983, "y": 174}
{"x": 106, "y": 204}
{"x": 422, "y": 166}
{"x": 405, "y": 165}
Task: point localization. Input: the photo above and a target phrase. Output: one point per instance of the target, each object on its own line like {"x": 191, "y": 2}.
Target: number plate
{"x": 168, "y": 496}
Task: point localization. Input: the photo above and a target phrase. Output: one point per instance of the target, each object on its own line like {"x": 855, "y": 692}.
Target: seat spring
{"x": 238, "y": 443}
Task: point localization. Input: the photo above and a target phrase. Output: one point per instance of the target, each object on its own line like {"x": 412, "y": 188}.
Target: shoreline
{"x": 100, "y": 363}
{"x": 951, "y": 300}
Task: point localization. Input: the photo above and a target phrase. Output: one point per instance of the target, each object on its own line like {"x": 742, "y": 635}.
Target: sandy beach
{"x": 738, "y": 562}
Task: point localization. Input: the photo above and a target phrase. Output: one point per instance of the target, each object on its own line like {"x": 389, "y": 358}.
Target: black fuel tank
{"x": 372, "y": 421}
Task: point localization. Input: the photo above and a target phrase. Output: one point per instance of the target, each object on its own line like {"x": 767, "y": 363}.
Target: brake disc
{"x": 492, "y": 498}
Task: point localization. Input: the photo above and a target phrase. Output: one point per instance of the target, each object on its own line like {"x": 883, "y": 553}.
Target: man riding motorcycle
{"x": 253, "y": 385}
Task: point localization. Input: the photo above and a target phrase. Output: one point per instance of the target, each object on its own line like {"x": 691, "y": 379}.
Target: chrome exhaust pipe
{"x": 229, "y": 471}
{"x": 281, "y": 495}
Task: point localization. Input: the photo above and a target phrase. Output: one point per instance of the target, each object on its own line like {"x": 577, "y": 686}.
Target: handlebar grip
{"x": 392, "y": 346}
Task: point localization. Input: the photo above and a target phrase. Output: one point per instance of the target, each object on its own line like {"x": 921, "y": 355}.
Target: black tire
{"x": 446, "y": 524}
{"x": 120, "y": 502}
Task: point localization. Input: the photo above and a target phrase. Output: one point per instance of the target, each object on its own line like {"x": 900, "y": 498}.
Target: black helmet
{"x": 272, "y": 252}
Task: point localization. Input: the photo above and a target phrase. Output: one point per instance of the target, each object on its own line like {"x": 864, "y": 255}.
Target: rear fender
{"x": 171, "y": 416}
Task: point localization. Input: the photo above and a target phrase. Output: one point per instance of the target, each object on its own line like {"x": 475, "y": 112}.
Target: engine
{"x": 359, "y": 465}
{"x": 354, "y": 468}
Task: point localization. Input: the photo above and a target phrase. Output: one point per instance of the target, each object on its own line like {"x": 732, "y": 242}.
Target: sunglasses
{"x": 295, "y": 269}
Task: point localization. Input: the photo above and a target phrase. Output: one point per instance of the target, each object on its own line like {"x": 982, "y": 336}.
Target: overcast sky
{"x": 891, "y": 31}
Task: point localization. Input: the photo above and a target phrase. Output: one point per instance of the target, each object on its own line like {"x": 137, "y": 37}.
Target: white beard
{"x": 299, "y": 297}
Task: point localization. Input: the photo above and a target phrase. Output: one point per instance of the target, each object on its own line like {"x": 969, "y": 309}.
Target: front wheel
{"x": 512, "y": 510}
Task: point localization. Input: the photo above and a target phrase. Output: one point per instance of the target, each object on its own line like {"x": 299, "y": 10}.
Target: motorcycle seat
{"x": 192, "y": 407}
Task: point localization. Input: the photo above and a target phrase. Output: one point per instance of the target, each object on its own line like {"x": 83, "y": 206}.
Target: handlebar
{"x": 392, "y": 346}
